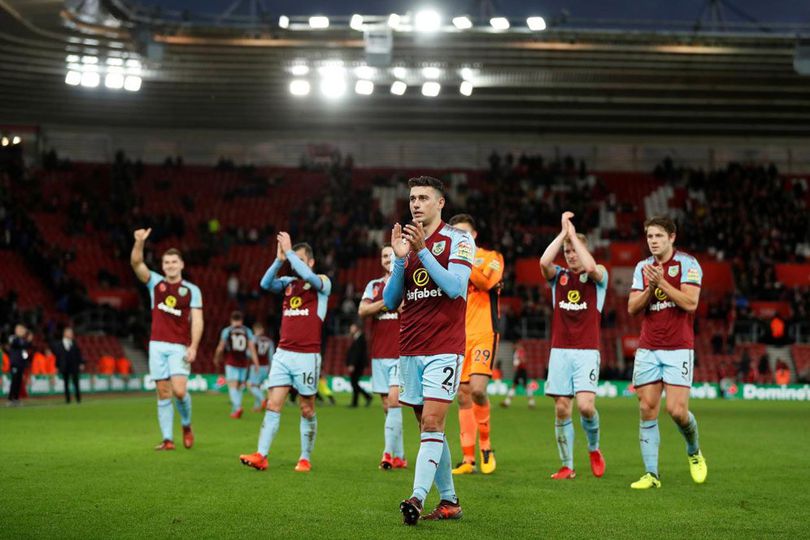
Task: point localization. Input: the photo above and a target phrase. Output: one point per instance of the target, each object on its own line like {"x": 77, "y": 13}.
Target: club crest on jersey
{"x": 182, "y": 291}
{"x": 564, "y": 280}
{"x": 307, "y": 286}
{"x": 438, "y": 247}
{"x": 673, "y": 270}
{"x": 583, "y": 277}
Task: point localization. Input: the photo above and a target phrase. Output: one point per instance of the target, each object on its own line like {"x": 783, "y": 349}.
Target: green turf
{"x": 89, "y": 472}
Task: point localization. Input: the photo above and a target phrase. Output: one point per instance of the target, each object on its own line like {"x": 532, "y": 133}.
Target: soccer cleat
{"x": 647, "y": 481}
{"x": 445, "y": 510}
{"x": 237, "y": 413}
{"x": 697, "y": 467}
{"x": 188, "y": 437}
{"x": 597, "y": 463}
{"x": 264, "y": 403}
{"x": 465, "y": 467}
{"x": 303, "y": 465}
{"x": 487, "y": 461}
{"x": 411, "y": 510}
{"x": 256, "y": 460}
{"x": 386, "y": 463}
{"x": 165, "y": 445}
{"x": 564, "y": 474}
{"x": 400, "y": 463}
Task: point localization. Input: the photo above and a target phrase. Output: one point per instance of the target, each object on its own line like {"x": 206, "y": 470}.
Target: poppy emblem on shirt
{"x": 182, "y": 291}
{"x": 162, "y": 287}
{"x": 564, "y": 280}
{"x": 288, "y": 290}
{"x": 438, "y": 247}
{"x": 673, "y": 271}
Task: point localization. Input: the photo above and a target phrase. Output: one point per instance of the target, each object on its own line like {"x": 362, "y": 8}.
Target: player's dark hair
{"x": 306, "y": 247}
{"x": 236, "y": 316}
{"x": 172, "y": 251}
{"x": 661, "y": 221}
{"x": 427, "y": 181}
{"x": 463, "y": 218}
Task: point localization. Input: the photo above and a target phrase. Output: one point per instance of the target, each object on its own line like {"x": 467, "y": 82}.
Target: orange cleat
{"x": 303, "y": 465}
{"x": 597, "y": 463}
{"x": 188, "y": 437}
{"x": 386, "y": 463}
{"x": 564, "y": 474}
{"x": 257, "y": 461}
{"x": 165, "y": 445}
{"x": 237, "y": 413}
{"x": 400, "y": 463}
{"x": 444, "y": 510}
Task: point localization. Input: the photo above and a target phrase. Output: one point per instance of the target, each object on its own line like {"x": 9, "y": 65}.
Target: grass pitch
{"x": 89, "y": 471}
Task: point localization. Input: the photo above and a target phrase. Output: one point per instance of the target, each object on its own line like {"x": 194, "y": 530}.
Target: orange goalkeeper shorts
{"x": 479, "y": 356}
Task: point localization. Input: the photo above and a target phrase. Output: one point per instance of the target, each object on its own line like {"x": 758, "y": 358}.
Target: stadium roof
{"x": 562, "y": 80}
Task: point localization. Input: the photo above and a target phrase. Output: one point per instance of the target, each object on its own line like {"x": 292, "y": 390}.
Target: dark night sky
{"x": 794, "y": 11}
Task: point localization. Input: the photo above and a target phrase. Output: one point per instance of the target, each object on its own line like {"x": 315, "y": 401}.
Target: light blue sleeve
{"x": 553, "y": 283}
{"x": 368, "y": 294}
{"x": 223, "y": 336}
{"x": 323, "y": 296}
{"x": 452, "y": 280}
{"x": 305, "y": 272}
{"x": 154, "y": 279}
{"x": 196, "y": 296}
{"x": 250, "y": 335}
{"x": 601, "y": 290}
{"x": 638, "y": 278}
{"x": 270, "y": 282}
{"x": 691, "y": 272}
{"x": 395, "y": 288}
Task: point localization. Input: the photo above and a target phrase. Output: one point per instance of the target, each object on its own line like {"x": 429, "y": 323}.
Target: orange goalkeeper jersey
{"x": 483, "y": 309}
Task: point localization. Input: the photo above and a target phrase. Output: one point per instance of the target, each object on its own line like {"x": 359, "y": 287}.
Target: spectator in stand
{"x": 764, "y": 369}
{"x": 70, "y": 362}
{"x": 744, "y": 366}
{"x": 19, "y": 353}
{"x": 356, "y": 361}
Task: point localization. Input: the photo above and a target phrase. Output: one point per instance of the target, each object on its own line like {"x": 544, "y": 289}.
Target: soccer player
{"x": 431, "y": 271}
{"x": 238, "y": 344}
{"x": 297, "y": 362}
{"x": 265, "y": 348}
{"x": 177, "y": 327}
{"x": 483, "y": 293}
{"x": 521, "y": 377}
{"x": 385, "y": 361}
{"x": 578, "y": 295}
{"x": 666, "y": 289}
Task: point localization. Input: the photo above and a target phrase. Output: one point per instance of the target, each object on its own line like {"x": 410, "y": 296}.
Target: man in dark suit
{"x": 70, "y": 362}
{"x": 357, "y": 360}
{"x": 19, "y": 354}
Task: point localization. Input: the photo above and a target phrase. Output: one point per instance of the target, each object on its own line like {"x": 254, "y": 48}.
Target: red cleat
{"x": 257, "y": 461}
{"x": 445, "y": 510}
{"x": 303, "y": 465}
{"x": 188, "y": 437}
{"x": 264, "y": 403}
{"x": 400, "y": 463}
{"x": 386, "y": 463}
{"x": 165, "y": 445}
{"x": 564, "y": 474}
{"x": 597, "y": 463}
{"x": 237, "y": 413}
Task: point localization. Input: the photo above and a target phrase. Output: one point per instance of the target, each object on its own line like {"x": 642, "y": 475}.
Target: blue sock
{"x": 427, "y": 463}
{"x": 166, "y": 418}
{"x": 309, "y": 429}
{"x": 690, "y": 433}
{"x": 268, "y": 431}
{"x": 564, "y": 429}
{"x": 399, "y": 447}
{"x": 184, "y": 408}
{"x": 444, "y": 475}
{"x": 258, "y": 396}
{"x": 591, "y": 427}
{"x": 393, "y": 428}
{"x": 650, "y": 438}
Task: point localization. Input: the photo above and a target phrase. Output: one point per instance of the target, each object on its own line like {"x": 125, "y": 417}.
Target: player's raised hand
{"x": 653, "y": 273}
{"x": 415, "y": 234}
{"x": 400, "y": 245}
{"x": 565, "y": 220}
{"x": 280, "y": 252}
{"x": 284, "y": 241}
{"x": 142, "y": 234}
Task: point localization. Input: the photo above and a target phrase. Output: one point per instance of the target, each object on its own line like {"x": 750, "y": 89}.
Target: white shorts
{"x": 384, "y": 374}
{"x": 671, "y": 367}
{"x": 167, "y": 360}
